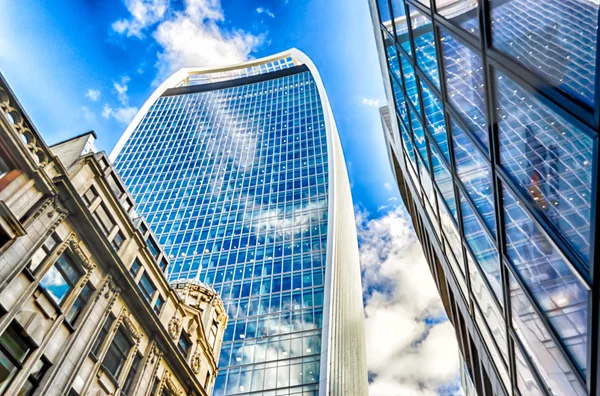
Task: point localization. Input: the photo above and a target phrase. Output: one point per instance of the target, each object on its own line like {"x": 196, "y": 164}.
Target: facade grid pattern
{"x": 234, "y": 183}
{"x": 497, "y": 111}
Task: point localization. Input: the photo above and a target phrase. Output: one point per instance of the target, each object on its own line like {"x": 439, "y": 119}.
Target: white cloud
{"x": 387, "y": 186}
{"x": 191, "y": 37}
{"x": 405, "y": 354}
{"x": 124, "y": 114}
{"x": 263, "y": 10}
{"x": 370, "y": 102}
{"x": 144, "y": 13}
{"x": 92, "y": 94}
{"x": 121, "y": 89}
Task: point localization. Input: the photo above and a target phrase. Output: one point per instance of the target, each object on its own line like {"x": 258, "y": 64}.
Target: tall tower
{"x": 240, "y": 172}
{"x": 493, "y": 121}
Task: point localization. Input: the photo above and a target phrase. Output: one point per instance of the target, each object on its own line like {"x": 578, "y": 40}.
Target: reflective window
{"x": 483, "y": 247}
{"x": 434, "y": 117}
{"x": 419, "y": 137}
{"x": 550, "y": 362}
{"x": 443, "y": 179}
{"x": 392, "y": 59}
{"x": 401, "y": 25}
{"x": 384, "y": 10}
{"x": 462, "y": 13}
{"x": 453, "y": 247}
{"x": 553, "y": 38}
{"x": 410, "y": 79}
{"x": 424, "y": 45}
{"x": 552, "y": 282}
{"x": 465, "y": 84}
{"x": 490, "y": 339}
{"x": 549, "y": 158}
{"x": 408, "y": 146}
{"x": 526, "y": 382}
{"x": 475, "y": 174}
{"x": 60, "y": 279}
{"x": 399, "y": 96}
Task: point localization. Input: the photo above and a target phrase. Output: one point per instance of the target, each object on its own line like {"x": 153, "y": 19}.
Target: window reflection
{"x": 443, "y": 180}
{"x": 401, "y": 25}
{"x": 424, "y": 44}
{"x": 400, "y": 103}
{"x": 410, "y": 79}
{"x": 464, "y": 82}
{"x": 482, "y": 246}
{"x": 548, "y": 359}
{"x": 526, "y": 382}
{"x": 434, "y": 117}
{"x": 553, "y": 38}
{"x": 461, "y": 12}
{"x": 475, "y": 174}
{"x": 551, "y": 281}
{"x": 384, "y": 11}
{"x": 392, "y": 59}
{"x": 408, "y": 146}
{"x": 549, "y": 158}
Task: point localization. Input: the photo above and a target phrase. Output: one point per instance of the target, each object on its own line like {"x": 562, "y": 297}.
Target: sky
{"x": 80, "y": 65}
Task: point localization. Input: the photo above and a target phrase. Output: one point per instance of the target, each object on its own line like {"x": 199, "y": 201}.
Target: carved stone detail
{"x": 195, "y": 363}
{"x": 78, "y": 252}
{"x": 174, "y": 327}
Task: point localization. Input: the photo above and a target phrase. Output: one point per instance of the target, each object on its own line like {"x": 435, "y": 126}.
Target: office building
{"x": 85, "y": 306}
{"x": 492, "y": 127}
{"x": 240, "y": 174}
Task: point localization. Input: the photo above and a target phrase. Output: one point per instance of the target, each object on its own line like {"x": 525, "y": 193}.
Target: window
{"x": 158, "y": 304}
{"x": 135, "y": 367}
{"x": 80, "y": 303}
{"x": 147, "y": 287}
{"x": 13, "y": 352}
{"x": 102, "y": 336}
{"x": 117, "y": 352}
{"x": 104, "y": 219}
{"x": 135, "y": 268}
{"x": 114, "y": 185}
{"x": 43, "y": 251}
{"x": 35, "y": 377}
{"x": 163, "y": 264}
{"x": 184, "y": 344}
{"x": 90, "y": 195}
{"x": 214, "y": 328}
{"x": 153, "y": 247}
{"x": 60, "y": 279}
{"x": 118, "y": 240}
{"x": 4, "y": 167}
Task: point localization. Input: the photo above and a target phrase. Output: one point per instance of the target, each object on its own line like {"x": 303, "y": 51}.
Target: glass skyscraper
{"x": 240, "y": 173}
{"x": 493, "y": 138}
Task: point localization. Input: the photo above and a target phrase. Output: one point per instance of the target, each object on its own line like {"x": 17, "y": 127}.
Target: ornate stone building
{"x": 85, "y": 306}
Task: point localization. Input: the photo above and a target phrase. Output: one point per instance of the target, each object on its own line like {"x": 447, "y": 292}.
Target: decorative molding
{"x": 168, "y": 382}
{"x": 174, "y": 327}
{"x": 104, "y": 290}
{"x": 130, "y": 325}
{"x": 196, "y": 363}
{"x": 155, "y": 353}
{"x": 78, "y": 252}
{"x": 57, "y": 208}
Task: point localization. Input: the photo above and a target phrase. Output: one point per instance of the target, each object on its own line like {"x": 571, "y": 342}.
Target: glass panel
{"x": 483, "y": 247}
{"x": 424, "y": 45}
{"x": 384, "y": 10}
{"x": 55, "y": 284}
{"x": 548, "y": 359}
{"x": 434, "y": 117}
{"x": 443, "y": 180}
{"x": 7, "y": 371}
{"x": 464, "y": 83}
{"x": 461, "y": 12}
{"x": 408, "y": 146}
{"x": 526, "y": 382}
{"x": 399, "y": 96}
{"x": 553, "y": 38}
{"x": 401, "y": 25}
{"x": 476, "y": 176}
{"x": 419, "y": 137}
{"x": 392, "y": 59}
{"x": 489, "y": 339}
{"x": 549, "y": 158}
{"x": 410, "y": 80}
{"x": 551, "y": 281}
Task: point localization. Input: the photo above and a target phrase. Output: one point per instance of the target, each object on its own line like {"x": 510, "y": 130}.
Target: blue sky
{"x": 68, "y": 47}
{"x": 78, "y": 65}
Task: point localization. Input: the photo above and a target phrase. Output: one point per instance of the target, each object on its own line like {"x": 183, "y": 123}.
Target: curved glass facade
{"x": 511, "y": 145}
{"x": 234, "y": 182}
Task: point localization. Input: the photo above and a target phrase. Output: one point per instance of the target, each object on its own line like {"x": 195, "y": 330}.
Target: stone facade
{"x": 85, "y": 306}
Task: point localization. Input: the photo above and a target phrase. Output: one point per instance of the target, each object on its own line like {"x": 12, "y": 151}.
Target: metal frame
{"x": 573, "y": 110}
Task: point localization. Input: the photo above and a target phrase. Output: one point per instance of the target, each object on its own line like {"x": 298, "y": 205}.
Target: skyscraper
{"x": 240, "y": 173}
{"x": 493, "y": 137}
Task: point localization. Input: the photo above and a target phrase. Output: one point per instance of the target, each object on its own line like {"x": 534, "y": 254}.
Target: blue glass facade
{"x": 502, "y": 122}
{"x": 234, "y": 182}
